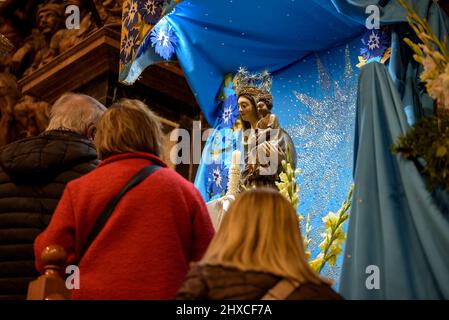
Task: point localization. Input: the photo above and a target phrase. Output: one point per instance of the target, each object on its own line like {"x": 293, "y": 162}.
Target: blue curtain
{"x": 404, "y": 70}
{"x": 217, "y": 37}
{"x": 395, "y": 225}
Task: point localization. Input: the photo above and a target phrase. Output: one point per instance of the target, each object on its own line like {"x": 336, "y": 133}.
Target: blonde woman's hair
{"x": 128, "y": 126}
{"x": 261, "y": 232}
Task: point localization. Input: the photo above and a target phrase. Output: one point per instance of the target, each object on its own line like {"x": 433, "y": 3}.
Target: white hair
{"x": 75, "y": 112}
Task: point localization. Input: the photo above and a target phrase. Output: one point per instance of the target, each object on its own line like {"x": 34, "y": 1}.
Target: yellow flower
{"x": 334, "y": 237}
{"x": 316, "y": 263}
{"x": 429, "y": 64}
{"x": 433, "y": 54}
{"x": 330, "y": 220}
{"x": 283, "y": 176}
{"x": 361, "y": 63}
{"x": 332, "y": 260}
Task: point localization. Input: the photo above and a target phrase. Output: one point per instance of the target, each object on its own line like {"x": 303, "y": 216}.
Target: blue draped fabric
{"x": 217, "y": 37}
{"x": 404, "y": 70}
{"x": 395, "y": 224}
{"x": 391, "y": 12}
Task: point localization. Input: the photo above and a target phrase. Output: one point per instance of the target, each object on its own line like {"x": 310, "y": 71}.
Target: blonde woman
{"x": 156, "y": 229}
{"x": 256, "y": 254}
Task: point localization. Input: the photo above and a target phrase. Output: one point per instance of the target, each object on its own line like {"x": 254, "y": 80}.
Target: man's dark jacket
{"x": 33, "y": 174}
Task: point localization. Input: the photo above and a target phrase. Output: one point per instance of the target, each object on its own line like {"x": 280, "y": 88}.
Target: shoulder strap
{"x": 282, "y": 290}
{"x": 109, "y": 209}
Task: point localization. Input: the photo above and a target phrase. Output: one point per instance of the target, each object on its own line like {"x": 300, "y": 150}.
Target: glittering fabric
{"x": 316, "y": 106}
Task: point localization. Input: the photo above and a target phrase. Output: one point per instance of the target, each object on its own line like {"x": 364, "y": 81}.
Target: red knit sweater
{"x": 144, "y": 250}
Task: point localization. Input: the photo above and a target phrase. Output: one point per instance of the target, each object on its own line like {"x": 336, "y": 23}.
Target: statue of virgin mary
{"x": 266, "y": 143}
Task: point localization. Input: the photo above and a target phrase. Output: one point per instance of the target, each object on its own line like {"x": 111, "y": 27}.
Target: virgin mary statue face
{"x": 247, "y": 110}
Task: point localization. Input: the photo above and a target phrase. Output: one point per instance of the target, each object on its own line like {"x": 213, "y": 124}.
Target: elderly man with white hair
{"x": 33, "y": 174}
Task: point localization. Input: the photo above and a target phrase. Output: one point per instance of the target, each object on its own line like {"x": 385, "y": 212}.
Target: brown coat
{"x": 220, "y": 283}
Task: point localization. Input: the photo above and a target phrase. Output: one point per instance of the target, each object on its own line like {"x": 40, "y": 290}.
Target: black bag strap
{"x": 109, "y": 209}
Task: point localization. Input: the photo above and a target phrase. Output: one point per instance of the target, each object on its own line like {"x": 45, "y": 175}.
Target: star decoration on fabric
{"x": 129, "y": 46}
{"x": 131, "y": 16}
{"x": 230, "y": 112}
{"x": 217, "y": 179}
{"x": 374, "y": 41}
{"x": 151, "y": 10}
{"x": 163, "y": 39}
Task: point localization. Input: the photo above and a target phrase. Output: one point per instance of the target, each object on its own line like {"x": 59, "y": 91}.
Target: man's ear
{"x": 91, "y": 131}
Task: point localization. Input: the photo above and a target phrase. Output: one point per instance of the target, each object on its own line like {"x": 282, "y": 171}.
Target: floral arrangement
{"x": 428, "y": 139}
{"x": 433, "y": 54}
{"x": 334, "y": 237}
{"x": 306, "y": 238}
{"x": 289, "y": 188}
{"x": 287, "y": 185}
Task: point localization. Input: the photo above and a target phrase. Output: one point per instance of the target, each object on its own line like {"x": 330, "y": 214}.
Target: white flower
{"x": 374, "y": 41}
{"x": 330, "y": 220}
{"x": 162, "y": 38}
{"x": 227, "y": 114}
{"x": 217, "y": 177}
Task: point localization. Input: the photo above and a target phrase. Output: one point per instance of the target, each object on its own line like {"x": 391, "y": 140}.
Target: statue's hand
{"x": 218, "y": 208}
{"x": 268, "y": 148}
{"x": 226, "y": 202}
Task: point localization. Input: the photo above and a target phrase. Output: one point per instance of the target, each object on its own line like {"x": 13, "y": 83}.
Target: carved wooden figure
{"x": 31, "y": 117}
{"x": 37, "y": 45}
{"x": 9, "y": 95}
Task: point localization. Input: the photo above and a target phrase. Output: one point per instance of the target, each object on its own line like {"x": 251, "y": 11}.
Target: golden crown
{"x": 255, "y": 84}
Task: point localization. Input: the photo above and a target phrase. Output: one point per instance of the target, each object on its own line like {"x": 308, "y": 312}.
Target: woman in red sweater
{"x": 155, "y": 231}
